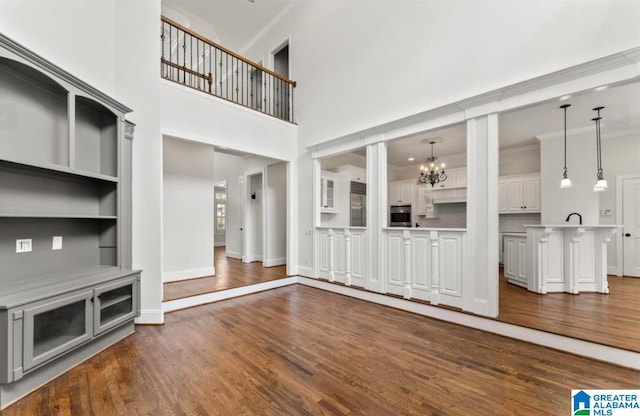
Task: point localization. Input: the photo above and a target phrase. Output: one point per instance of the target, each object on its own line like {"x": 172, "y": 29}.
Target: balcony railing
{"x": 192, "y": 60}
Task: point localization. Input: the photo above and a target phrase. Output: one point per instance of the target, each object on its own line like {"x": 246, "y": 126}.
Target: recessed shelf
{"x": 114, "y": 301}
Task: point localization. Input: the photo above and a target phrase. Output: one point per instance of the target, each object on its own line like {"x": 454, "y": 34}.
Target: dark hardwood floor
{"x": 303, "y": 351}
{"x": 612, "y": 319}
{"x": 230, "y": 273}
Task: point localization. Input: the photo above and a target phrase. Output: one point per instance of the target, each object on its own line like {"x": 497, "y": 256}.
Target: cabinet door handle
{"x": 627, "y": 235}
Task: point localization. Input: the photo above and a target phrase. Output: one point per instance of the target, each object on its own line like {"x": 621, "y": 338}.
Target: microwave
{"x": 400, "y": 216}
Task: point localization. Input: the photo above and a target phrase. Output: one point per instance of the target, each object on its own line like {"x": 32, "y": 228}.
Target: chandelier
{"x": 430, "y": 174}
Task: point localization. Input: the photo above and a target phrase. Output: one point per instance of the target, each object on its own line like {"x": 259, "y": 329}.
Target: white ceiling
{"x": 522, "y": 127}
{"x": 235, "y": 22}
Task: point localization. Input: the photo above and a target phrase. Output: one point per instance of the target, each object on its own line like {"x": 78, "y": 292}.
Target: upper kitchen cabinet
{"x": 327, "y": 193}
{"x": 456, "y": 178}
{"x": 519, "y": 193}
{"x": 400, "y": 193}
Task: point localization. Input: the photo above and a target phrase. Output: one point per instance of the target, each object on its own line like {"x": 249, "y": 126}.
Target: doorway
{"x": 220, "y": 221}
{"x": 631, "y": 226}
{"x": 281, "y": 89}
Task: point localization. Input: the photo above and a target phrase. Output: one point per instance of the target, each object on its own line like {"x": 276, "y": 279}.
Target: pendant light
{"x": 601, "y": 182}
{"x": 565, "y": 182}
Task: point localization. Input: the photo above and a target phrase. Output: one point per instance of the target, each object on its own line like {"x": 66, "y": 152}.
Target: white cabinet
{"x": 456, "y": 178}
{"x": 425, "y": 206}
{"x": 400, "y": 193}
{"x": 515, "y": 259}
{"x": 327, "y": 193}
{"x": 519, "y": 193}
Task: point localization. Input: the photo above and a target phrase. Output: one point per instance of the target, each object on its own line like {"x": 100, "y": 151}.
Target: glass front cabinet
{"x": 56, "y": 326}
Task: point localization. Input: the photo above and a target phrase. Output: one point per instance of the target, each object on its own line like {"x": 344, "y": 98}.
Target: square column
{"x": 480, "y": 278}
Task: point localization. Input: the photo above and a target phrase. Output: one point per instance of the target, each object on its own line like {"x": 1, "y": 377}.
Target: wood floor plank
{"x": 297, "y": 350}
{"x": 608, "y": 319}
{"x": 230, "y": 273}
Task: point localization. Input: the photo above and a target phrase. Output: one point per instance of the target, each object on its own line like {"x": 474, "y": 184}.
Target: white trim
{"x": 574, "y": 346}
{"x": 150, "y": 317}
{"x": 274, "y": 262}
{"x": 613, "y": 270}
{"x": 233, "y": 255}
{"x": 306, "y": 272}
{"x": 220, "y": 244}
{"x": 188, "y": 274}
{"x": 174, "y": 305}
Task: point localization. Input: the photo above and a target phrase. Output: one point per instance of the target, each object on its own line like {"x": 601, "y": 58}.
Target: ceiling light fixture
{"x": 601, "y": 88}
{"x": 429, "y": 174}
{"x": 565, "y": 97}
{"x": 565, "y": 182}
{"x": 411, "y": 159}
{"x": 601, "y": 182}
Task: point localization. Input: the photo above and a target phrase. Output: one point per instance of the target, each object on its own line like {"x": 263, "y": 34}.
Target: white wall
{"x": 519, "y": 160}
{"x": 188, "y": 210}
{"x": 76, "y": 35}
{"x": 275, "y": 199}
{"x": 197, "y": 116}
{"x": 422, "y": 44}
{"x": 557, "y": 203}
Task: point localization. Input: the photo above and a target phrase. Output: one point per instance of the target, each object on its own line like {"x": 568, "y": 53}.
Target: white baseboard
{"x": 220, "y": 244}
{"x": 175, "y": 305}
{"x": 612, "y": 270}
{"x": 233, "y": 255}
{"x": 187, "y": 274}
{"x": 252, "y": 258}
{"x": 306, "y": 271}
{"x": 600, "y": 352}
{"x": 150, "y": 317}
{"x": 274, "y": 262}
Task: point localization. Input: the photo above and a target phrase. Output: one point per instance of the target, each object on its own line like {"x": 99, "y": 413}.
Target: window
{"x": 221, "y": 209}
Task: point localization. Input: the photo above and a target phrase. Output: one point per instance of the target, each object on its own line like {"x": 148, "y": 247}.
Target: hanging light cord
{"x": 564, "y": 107}
{"x": 598, "y": 143}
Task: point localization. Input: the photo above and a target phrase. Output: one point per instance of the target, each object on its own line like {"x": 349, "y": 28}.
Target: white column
{"x": 480, "y": 279}
{"x": 347, "y": 257}
{"x": 406, "y": 290}
{"x": 316, "y": 178}
{"x": 572, "y": 262}
{"x": 332, "y": 255}
{"x": 435, "y": 267}
{"x": 376, "y": 215}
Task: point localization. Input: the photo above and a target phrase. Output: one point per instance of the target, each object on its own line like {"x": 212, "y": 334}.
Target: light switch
{"x": 23, "y": 245}
{"x": 57, "y": 243}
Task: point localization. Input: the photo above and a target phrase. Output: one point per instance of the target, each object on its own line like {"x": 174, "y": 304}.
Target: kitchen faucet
{"x": 574, "y": 213}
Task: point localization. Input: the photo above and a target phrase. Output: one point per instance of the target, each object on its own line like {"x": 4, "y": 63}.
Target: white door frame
{"x": 619, "y": 235}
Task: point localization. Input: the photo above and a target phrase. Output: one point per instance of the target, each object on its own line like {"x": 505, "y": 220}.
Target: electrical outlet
{"x": 23, "y": 245}
{"x": 307, "y": 231}
{"x": 56, "y": 243}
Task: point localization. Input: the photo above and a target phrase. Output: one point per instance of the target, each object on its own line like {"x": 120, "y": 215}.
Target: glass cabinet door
{"x": 115, "y": 303}
{"x": 55, "y": 327}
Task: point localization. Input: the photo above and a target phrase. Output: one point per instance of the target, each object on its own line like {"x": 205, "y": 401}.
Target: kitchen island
{"x": 568, "y": 258}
